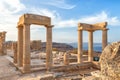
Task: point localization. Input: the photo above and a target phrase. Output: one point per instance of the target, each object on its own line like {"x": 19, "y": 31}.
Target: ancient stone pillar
{"x": 104, "y": 38}
{"x": 14, "y": 48}
{"x": 26, "y": 48}
{"x": 49, "y": 60}
{"x": 66, "y": 59}
{"x": 90, "y": 46}
{"x": 80, "y": 51}
{"x": 20, "y": 46}
{"x": 2, "y": 43}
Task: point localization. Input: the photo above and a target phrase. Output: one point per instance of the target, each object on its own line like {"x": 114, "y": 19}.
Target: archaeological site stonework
{"x": 35, "y": 45}
{"x": 90, "y": 28}
{"x": 2, "y": 43}
{"x": 23, "y": 52}
{"x": 14, "y": 49}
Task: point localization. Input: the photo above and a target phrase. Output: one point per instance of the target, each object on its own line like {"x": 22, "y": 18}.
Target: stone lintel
{"x": 102, "y": 25}
{"x": 34, "y": 19}
{"x": 92, "y": 27}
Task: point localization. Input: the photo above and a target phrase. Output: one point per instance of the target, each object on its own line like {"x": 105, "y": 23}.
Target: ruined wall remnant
{"x": 23, "y": 44}
{"x": 90, "y": 28}
{"x": 2, "y": 43}
{"x": 35, "y": 45}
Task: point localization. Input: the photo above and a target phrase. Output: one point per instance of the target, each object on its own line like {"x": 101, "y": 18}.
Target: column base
{"x": 79, "y": 62}
{"x": 20, "y": 65}
{"x": 90, "y": 59}
{"x": 26, "y": 68}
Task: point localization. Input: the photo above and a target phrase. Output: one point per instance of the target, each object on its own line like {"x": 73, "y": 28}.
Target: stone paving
{"x": 7, "y": 71}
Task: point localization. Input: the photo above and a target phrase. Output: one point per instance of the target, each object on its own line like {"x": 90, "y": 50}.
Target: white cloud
{"x": 91, "y": 19}
{"x": 101, "y": 17}
{"x": 60, "y": 4}
{"x": 55, "y": 17}
{"x": 10, "y": 7}
{"x": 9, "y": 17}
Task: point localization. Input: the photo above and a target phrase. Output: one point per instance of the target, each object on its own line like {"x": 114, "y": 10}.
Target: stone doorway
{"x": 23, "y": 50}
{"x": 90, "y": 28}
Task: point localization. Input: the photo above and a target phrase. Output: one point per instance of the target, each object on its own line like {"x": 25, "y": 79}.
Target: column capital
{"x": 50, "y": 26}
{"x": 105, "y": 29}
{"x": 23, "y": 25}
{"x": 26, "y": 24}
{"x": 19, "y": 26}
{"x": 90, "y": 30}
{"x": 80, "y": 29}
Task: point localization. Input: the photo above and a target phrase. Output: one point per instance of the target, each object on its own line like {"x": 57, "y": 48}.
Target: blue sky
{"x": 65, "y": 15}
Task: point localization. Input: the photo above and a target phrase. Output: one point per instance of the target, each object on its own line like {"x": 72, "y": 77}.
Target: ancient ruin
{"x": 14, "y": 49}
{"x": 90, "y": 28}
{"x": 56, "y": 63}
{"x": 35, "y": 45}
{"x": 23, "y": 54}
{"x": 2, "y": 43}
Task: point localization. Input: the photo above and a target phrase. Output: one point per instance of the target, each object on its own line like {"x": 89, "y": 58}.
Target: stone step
{"x": 38, "y": 69}
{"x": 35, "y": 66}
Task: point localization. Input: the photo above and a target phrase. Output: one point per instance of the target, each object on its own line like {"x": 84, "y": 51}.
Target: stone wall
{"x": 35, "y": 45}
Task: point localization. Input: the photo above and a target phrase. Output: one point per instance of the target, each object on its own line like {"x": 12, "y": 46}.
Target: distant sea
{"x": 96, "y": 46}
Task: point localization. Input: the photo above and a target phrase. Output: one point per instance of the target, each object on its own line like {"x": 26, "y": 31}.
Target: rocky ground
{"x": 9, "y": 72}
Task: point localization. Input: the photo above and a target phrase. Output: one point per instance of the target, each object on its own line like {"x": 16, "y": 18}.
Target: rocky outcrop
{"x": 110, "y": 62}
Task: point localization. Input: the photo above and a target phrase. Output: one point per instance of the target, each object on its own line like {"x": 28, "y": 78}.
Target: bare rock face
{"x": 110, "y": 62}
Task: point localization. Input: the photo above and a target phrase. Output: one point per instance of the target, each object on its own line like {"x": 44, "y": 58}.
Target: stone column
{"x": 20, "y": 46}
{"x": 4, "y": 45}
{"x": 90, "y": 46}
{"x": 26, "y": 48}
{"x": 14, "y": 48}
{"x": 80, "y": 45}
{"x": 66, "y": 59}
{"x": 49, "y": 60}
{"x": 104, "y": 38}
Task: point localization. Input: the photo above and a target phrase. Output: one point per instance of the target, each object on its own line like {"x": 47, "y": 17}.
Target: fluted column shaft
{"x": 20, "y": 46}
{"x": 26, "y": 48}
{"x": 49, "y": 55}
{"x": 80, "y": 45}
{"x": 104, "y": 38}
{"x": 14, "y": 48}
{"x": 90, "y": 46}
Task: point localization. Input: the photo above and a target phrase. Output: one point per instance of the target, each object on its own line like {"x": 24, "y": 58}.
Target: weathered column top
{"x": 50, "y": 26}
{"x": 92, "y": 27}
{"x": 34, "y": 19}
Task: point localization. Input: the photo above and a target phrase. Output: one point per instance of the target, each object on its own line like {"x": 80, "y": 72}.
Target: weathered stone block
{"x": 47, "y": 77}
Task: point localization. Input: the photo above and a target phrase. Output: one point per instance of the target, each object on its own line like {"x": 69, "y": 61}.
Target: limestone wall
{"x": 35, "y": 45}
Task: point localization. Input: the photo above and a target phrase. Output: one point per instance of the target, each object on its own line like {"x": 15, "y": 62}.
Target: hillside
{"x": 58, "y": 46}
